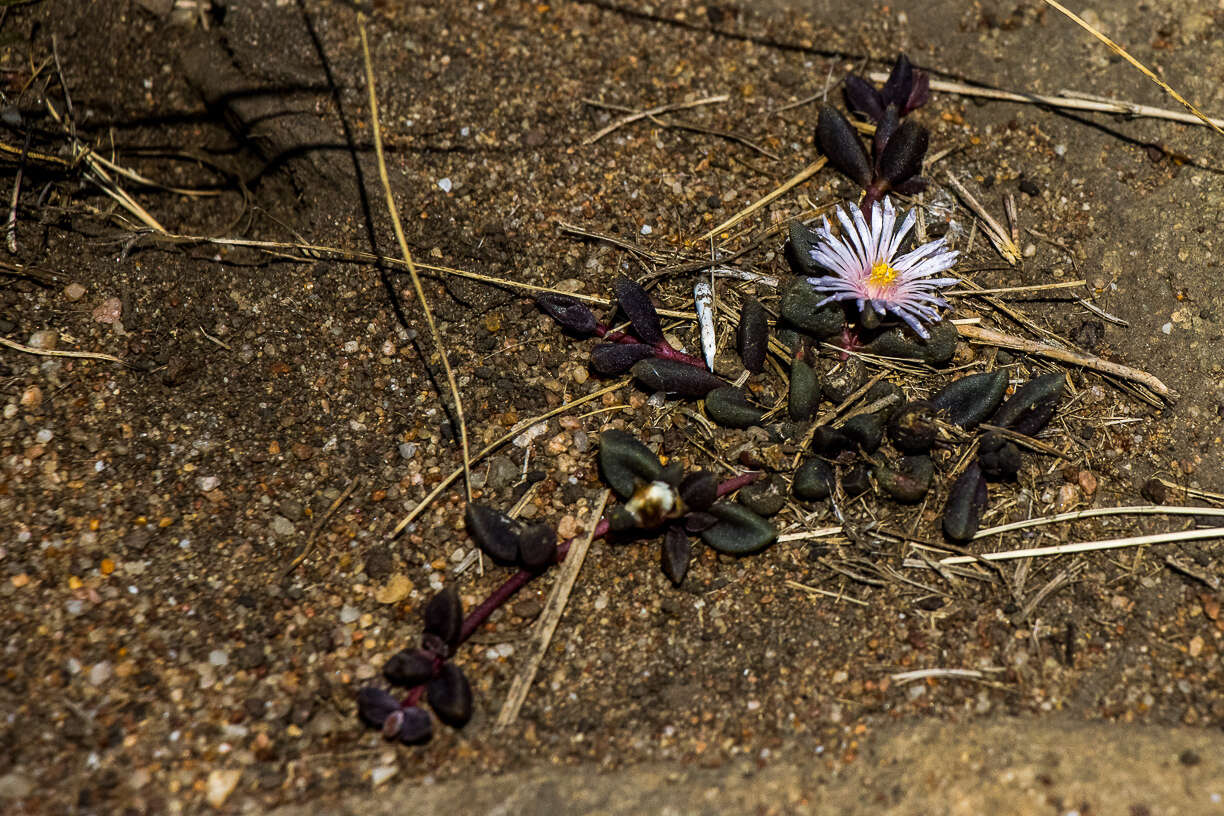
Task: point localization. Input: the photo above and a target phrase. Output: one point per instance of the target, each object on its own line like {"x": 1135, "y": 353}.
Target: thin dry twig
{"x": 839, "y": 596}
{"x": 1036, "y": 287}
{"x": 795, "y": 180}
{"x": 1098, "y": 512}
{"x": 403, "y": 245}
{"x": 518, "y": 428}
{"x": 1091, "y": 546}
{"x": 1121, "y": 52}
{"x": 923, "y": 674}
{"x": 554, "y": 607}
{"x": 1010, "y": 341}
{"x": 84, "y": 355}
{"x": 1067, "y": 100}
{"x": 722, "y": 134}
{"x": 633, "y": 117}
{"x": 314, "y": 532}
{"x": 1001, "y": 238}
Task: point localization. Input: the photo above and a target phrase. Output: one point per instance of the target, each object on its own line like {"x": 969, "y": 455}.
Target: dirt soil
{"x": 163, "y": 651}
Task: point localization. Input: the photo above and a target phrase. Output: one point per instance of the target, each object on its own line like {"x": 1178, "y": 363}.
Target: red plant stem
{"x": 521, "y": 578}
{"x": 662, "y": 349}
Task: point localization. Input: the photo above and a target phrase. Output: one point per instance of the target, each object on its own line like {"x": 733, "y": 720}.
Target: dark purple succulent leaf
{"x": 900, "y": 82}
{"x": 450, "y": 696}
{"x": 728, "y": 407}
{"x": 625, "y": 462}
{"x": 1033, "y": 420}
{"x": 885, "y": 128}
{"x": 920, "y": 92}
{"x": 611, "y": 359}
{"x": 1037, "y": 392}
{"x": 739, "y": 531}
{"x": 865, "y": 430}
{"x": 902, "y": 158}
{"x": 699, "y": 490}
{"x": 999, "y": 457}
{"x": 410, "y": 667}
{"x": 415, "y": 727}
{"x": 830, "y": 441}
{"x": 966, "y": 501}
{"x": 971, "y": 399}
{"x": 620, "y": 519}
{"x": 912, "y": 429}
{"x": 862, "y": 97}
{"x": 675, "y": 377}
{"x": 676, "y": 554}
{"x": 836, "y": 138}
{"x": 909, "y": 482}
{"x": 537, "y": 547}
{"x": 444, "y": 617}
{"x": 813, "y": 480}
{"x": 752, "y": 337}
{"x": 570, "y": 312}
{"x": 375, "y": 705}
{"x": 494, "y": 532}
{"x": 640, "y": 310}
{"x": 698, "y": 521}
{"x": 857, "y": 480}
{"x": 912, "y": 185}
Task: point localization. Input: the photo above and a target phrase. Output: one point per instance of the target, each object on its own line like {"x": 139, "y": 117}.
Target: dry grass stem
{"x": 795, "y": 180}
{"x": 1002, "y": 290}
{"x": 554, "y": 607}
{"x": 633, "y": 117}
{"x": 518, "y": 428}
{"x": 1098, "y": 512}
{"x": 838, "y": 596}
{"x": 923, "y": 674}
{"x": 83, "y": 355}
{"x": 1121, "y": 52}
{"x": 403, "y": 244}
{"x": 1010, "y": 341}
{"x": 999, "y": 237}
{"x": 1066, "y": 100}
{"x": 1090, "y": 546}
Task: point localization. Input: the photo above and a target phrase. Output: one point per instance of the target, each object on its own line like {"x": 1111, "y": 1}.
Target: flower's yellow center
{"x": 882, "y": 275}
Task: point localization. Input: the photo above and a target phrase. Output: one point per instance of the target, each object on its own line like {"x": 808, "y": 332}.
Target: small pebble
{"x": 221, "y": 784}
{"x": 100, "y": 673}
{"x": 74, "y": 291}
{"x": 349, "y": 614}
{"x": 1167, "y": 328}
{"x": 218, "y": 657}
{"x": 283, "y": 527}
{"x": 445, "y": 184}
{"x": 108, "y": 311}
{"x": 646, "y": 229}
{"x": 31, "y": 397}
{"x": 207, "y": 483}
{"x": 45, "y": 339}
{"x": 1029, "y": 250}
{"x": 350, "y": 347}
{"x": 43, "y": 436}
{"x": 384, "y": 772}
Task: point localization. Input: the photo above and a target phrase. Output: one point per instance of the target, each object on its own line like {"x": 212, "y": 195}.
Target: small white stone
{"x": 221, "y": 784}
{"x": 218, "y": 657}
{"x": 647, "y": 229}
{"x": 349, "y": 614}
{"x": 445, "y": 184}
{"x": 43, "y": 436}
{"x": 207, "y": 483}
{"x": 351, "y": 347}
{"x": 601, "y": 603}
{"x": 100, "y": 673}
{"x": 1167, "y": 328}
{"x": 382, "y": 773}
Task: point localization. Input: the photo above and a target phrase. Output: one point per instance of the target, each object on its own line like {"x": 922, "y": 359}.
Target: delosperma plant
{"x": 857, "y": 287}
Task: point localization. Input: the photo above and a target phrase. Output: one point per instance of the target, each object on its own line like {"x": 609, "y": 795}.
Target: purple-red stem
{"x": 498, "y": 597}
{"x": 662, "y": 349}
{"x": 521, "y": 578}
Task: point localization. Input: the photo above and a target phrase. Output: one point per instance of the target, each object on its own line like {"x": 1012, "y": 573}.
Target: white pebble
{"x": 207, "y": 483}
{"x": 100, "y": 673}
{"x": 445, "y": 184}
{"x": 43, "y": 436}
{"x": 218, "y": 657}
{"x": 220, "y": 785}
{"x": 350, "y": 347}
{"x": 1167, "y": 328}
{"x": 348, "y": 614}
{"x": 646, "y": 229}
{"x": 382, "y": 773}
{"x": 601, "y": 603}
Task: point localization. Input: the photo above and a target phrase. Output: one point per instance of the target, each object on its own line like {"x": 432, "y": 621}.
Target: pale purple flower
{"x": 866, "y": 267}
